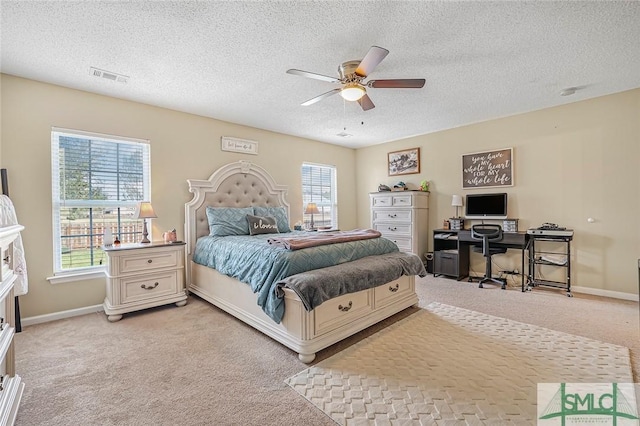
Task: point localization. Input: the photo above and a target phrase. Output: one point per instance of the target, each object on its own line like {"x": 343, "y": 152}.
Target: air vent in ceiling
{"x": 119, "y": 78}
{"x": 344, "y": 134}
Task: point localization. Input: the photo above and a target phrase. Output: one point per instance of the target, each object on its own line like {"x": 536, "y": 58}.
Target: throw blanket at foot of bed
{"x": 316, "y": 286}
{"x": 323, "y": 238}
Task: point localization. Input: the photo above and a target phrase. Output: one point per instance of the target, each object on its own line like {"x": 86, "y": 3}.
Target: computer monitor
{"x": 486, "y": 206}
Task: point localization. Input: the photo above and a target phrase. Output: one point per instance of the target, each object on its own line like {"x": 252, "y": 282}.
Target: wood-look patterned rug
{"x": 448, "y": 365}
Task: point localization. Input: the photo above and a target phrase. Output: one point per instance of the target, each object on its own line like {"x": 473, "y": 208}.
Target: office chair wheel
{"x": 480, "y": 285}
{"x": 569, "y": 294}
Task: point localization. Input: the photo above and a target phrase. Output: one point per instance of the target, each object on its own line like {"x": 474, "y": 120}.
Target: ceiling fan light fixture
{"x": 352, "y": 92}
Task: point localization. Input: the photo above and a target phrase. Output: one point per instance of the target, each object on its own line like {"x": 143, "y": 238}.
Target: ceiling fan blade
{"x": 366, "y": 103}
{"x": 313, "y": 75}
{"x": 409, "y": 83}
{"x": 374, "y": 56}
{"x": 321, "y": 97}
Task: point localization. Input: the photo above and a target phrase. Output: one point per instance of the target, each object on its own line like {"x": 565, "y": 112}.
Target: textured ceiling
{"x": 228, "y": 60}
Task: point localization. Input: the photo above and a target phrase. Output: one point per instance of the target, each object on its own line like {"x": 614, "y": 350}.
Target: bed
{"x": 241, "y": 185}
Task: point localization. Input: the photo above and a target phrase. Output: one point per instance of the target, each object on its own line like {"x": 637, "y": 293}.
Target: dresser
{"x": 11, "y": 386}
{"x": 402, "y": 217}
{"x": 141, "y": 276}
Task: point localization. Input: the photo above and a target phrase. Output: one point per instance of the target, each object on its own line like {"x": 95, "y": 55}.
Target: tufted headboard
{"x": 239, "y": 184}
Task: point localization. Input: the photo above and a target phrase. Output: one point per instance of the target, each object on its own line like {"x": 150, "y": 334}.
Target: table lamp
{"x": 456, "y": 201}
{"x": 145, "y": 211}
{"x": 312, "y": 209}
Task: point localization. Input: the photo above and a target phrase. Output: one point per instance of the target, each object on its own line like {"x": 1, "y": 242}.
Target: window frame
{"x": 307, "y": 196}
{"x": 58, "y": 203}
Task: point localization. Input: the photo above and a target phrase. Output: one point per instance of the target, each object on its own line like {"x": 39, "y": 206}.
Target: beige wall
{"x": 572, "y": 162}
{"x": 183, "y": 146}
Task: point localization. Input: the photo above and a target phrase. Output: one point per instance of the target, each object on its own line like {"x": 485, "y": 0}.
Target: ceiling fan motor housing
{"x": 347, "y": 71}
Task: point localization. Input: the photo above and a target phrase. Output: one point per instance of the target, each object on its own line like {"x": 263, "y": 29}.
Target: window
{"x": 319, "y": 187}
{"x": 97, "y": 182}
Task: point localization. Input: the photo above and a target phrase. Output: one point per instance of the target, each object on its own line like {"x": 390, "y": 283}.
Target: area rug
{"x": 448, "y": 365}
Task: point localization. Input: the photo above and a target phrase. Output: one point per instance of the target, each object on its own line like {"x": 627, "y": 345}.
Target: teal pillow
{"x": 224, "y": 221}
{"x": 280, "y": 213}
{"x": 262, "y": 225}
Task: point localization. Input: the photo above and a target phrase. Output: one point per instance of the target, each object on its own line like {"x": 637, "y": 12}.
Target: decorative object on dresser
{"x": 11, "y": 386}
{"x": 144, "y": 212}
{"x": 404, "y": 162}
{"x": 143, "y": 276}
{"x": 402, "y": 218}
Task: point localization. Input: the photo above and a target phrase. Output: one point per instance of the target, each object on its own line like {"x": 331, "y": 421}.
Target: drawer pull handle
{"x": 150, "y": 261}
{"x": 392, "y": 215}
{"x": 394, "y": 289}
{"x": 345, "y": 308}
{"x": 2, "y": 323}
{"x": 151, "y": 287}
{"x": 7, "y": 259}
{"x": 393, "y": 228}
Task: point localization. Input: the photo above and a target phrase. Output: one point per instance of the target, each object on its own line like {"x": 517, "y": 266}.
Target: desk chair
{"x": 488, "y": 233}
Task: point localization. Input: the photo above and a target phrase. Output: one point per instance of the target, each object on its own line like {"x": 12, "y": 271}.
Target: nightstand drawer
{"x": 148, "y": 286}
{"x": 148, "y": 260}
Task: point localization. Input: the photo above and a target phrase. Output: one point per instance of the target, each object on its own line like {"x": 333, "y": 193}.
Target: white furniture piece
{"x": 11, "y": 385}
{"x": 243, "y": 184}
{"x": 402, "y": 217}
{"x": 141, "y": 276}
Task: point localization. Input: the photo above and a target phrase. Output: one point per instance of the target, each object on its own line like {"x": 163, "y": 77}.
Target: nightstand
{"x": 141, "y": 276}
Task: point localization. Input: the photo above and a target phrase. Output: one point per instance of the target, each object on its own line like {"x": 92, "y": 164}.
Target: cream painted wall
{"x": 183, "y": 146}
{"x": 571, "y": 162}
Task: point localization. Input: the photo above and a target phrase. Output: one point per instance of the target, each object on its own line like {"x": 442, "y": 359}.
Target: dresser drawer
{"x": 386, "y": 293}
{"x": 390, "y": 215}
{"x": 341, "y": 310}
{"x": 401, "y": 200}
{"x": 382, "y": 201}
{"x": 388, "y": 230}
{"x": 403, "y": 243}
{"x": 148, "y": 286}
{"x": 148, "y": 260}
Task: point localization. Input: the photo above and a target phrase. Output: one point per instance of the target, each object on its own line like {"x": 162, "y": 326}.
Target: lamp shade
{"x": 456, "y": 201}
{"x": 145, "y": 211}
{"x": 312, "y": 208}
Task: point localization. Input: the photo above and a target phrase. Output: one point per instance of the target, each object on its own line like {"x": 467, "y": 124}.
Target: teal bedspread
{"x": 252, "y": 260}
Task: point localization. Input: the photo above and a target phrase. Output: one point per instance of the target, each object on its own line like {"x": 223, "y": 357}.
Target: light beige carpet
{"x": 447, "y": 364}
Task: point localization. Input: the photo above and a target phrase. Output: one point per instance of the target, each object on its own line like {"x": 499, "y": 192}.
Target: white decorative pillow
{"x": 224, "y": 221}
{"x": 262, "y": 225}
{"x": 280, "y": 213}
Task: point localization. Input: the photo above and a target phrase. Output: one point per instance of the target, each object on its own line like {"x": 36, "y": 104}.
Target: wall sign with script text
{"x": 239, "y": 145}
{"x": 488, "y": 169}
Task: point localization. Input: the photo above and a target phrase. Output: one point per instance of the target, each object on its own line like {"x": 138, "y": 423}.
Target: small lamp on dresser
{"x": 145, "y": 211}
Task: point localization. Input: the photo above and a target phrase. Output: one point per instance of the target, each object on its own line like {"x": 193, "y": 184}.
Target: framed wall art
{"x": 404, "y": 162}
{"x": 487, "y": 169}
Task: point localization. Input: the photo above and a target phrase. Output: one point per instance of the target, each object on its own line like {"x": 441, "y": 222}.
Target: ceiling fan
{"x": 352, "y": 76}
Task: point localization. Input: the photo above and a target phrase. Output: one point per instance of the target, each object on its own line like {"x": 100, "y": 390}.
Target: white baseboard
{"x": 605, "y": 293}
{"x": 60, "y": 315}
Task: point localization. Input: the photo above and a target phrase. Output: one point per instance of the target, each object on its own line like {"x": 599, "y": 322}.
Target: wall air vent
{"x": 119, "y": 78}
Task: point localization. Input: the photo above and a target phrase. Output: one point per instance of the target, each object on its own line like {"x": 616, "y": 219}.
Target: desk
{"x": 451, "y": 254}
